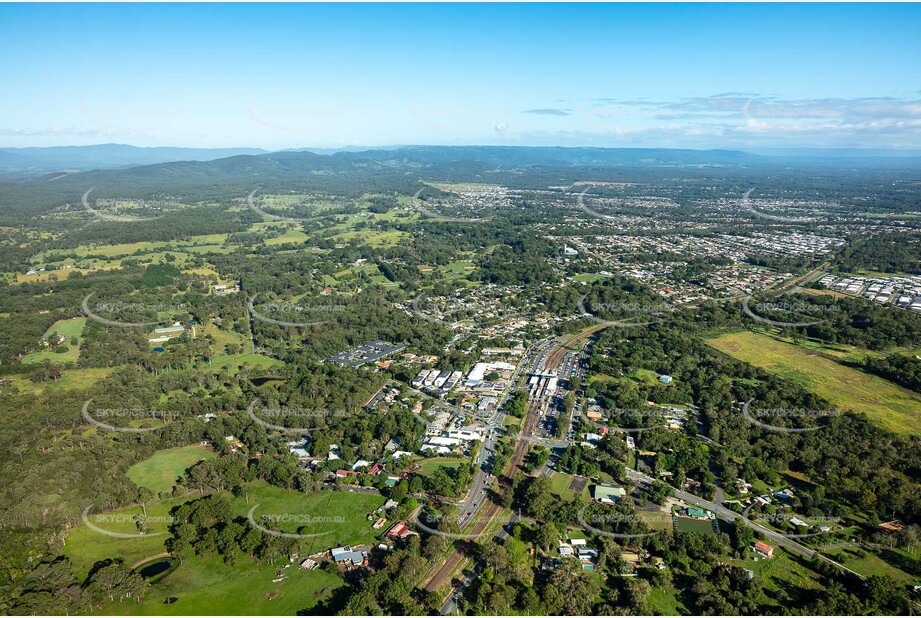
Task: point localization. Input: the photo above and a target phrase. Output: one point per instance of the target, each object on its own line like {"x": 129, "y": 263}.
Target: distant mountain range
{"x": 33, "y": 161}
{"x": 102, "y": 156}
{"x": 515, "y": 156}
{"x": 39, "y": 179}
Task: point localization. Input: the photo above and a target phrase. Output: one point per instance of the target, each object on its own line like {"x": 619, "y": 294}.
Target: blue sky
{"x": 286, "y": 76}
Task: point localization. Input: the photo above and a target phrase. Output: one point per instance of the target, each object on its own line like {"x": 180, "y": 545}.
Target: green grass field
{"x": 236, "y": 361}
{"x": 72, "y": 327}
{"x": 890, "y": 406}
{"x": 559, "y": 485}
{"x": 70, "y": 379}
{"x": 85, "y": 546}
{"x": 699, "y": 526}
{"x": 160, "y": 472}
{"x": 223, "y": 338}
{"x": 783, "y": 573}
{"x": 126, "y": 249}
{"x": 208, "y": 586}
{"x": 68, "y": 329}
{"x": 430, "y": 465}
{"x": 867, "y": 563}
{"x": 295, "y": 236}
{"x": 666, "y": 602}
{"x": 657, "y": 520}
{"x": 339, "y": 516}
{"x": 372, "y": 238}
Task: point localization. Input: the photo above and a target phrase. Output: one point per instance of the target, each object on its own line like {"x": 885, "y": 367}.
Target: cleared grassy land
{"x": 372, "y": 238}
{"x": 85, "y": 546}
{"x": 210, "y": 587}
{"x": 560, "y": 483}
{"x": 289, "y": 236}
{"x": 588, "y": 277}
{"x": 72, "y": 327}
{"x": 429, "y": 466}
{"x": 160, "y": 471}
{"x": 666, "y": 602}
{"x": 783, "y": 573}
{"x": 205, "y": 271}
{"x": 868, "y": 563}
{"x": 339, "y": 517}
{"x": 890, "y": 406}
{"x": 59, "y": 275}
{"x": 698, "y": 526}
{"x": 223, "y": 338}
{"x": 68, "y": 329}
{"x": 657, "y": 520}
{"x": 236, "y": 361}
{"x": 70, "y": 379}
{"x": 132, "y": 248}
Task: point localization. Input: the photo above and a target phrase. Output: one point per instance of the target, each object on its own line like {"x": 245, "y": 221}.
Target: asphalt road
{"x": 727, "y": 515}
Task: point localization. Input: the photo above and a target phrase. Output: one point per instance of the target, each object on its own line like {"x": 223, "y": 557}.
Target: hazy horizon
{"x": 280, "y": 76}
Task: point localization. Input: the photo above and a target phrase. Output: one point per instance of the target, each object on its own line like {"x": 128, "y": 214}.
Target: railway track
{"x": 556, "y": 357}
{"x": 489, "y": 509}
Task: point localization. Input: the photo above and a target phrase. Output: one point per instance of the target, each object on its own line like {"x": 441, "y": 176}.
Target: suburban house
{"x": 347, "y": 555}
{"x": 399, "y": 530}
{"x": 764, "y": 549}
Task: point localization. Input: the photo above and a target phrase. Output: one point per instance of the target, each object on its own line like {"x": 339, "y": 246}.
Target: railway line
{"x": 556, "y": 357}
{"x": 490, "y": 508}
{"x": 523, "y": 442}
